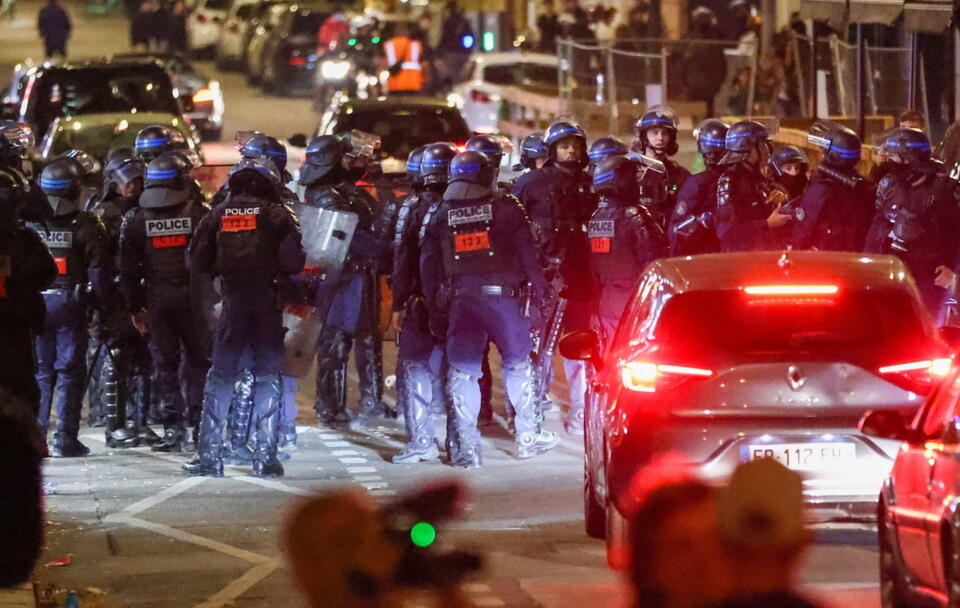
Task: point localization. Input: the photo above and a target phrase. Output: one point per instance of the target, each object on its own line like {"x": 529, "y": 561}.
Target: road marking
{"x": 271, "y": 484}
{"x": 361, "y": 469}
{"x": 157, "y": 499}
{"x": 345, "y": 453}
{"x": 193, "y": 539}
{"x": 383, "y": 492}
{"x": 363, "y": 478}
{"x": 240, "y": 586}
{"x": 338, "y": 444}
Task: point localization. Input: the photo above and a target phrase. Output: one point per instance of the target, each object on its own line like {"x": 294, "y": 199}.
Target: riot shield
{"x": 327, "y": 235}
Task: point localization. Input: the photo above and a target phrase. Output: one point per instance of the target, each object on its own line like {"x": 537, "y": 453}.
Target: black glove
{"x": 438, "y": 326}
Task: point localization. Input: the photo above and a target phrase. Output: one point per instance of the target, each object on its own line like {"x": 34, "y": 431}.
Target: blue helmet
{"x": 435, "y": 163}
{"x": 60, "y": 181}
{"x": 784, "y": 155}
{"x": 606, "y": 147}
{"x": 167, "y": 182}
{"x": 657, "y": 117}
{"x": 264, "y": 145}
{"x": 488, "y": 145}
{"x": 711, "y": 136}
{"x": 154, "y": 140}
{"x": 414, "y": 166}
{"x": 324, "y": 154}
{"x": 532, "y": 149}
{"x": 561, "y": 130}
{"x": 742, "y": 138}
{"x": 471, "y": 176}
{"x": 617, "y": 177}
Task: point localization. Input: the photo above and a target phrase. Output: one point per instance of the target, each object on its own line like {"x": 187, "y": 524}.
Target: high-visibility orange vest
{"x": 409, "y": 53}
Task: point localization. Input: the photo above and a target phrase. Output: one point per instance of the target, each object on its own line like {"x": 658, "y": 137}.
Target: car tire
{"x": 951, "y": 562}
{"x": 894, "y": 588}
{"x": 616, "y": 535}
{"x": 594, "y": 513}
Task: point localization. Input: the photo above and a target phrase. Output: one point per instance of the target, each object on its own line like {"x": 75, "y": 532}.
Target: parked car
{"x": 200, "y": 97}
{"x": 486, "y": 74}
{"x": 918, "y": 515}
{"x": 258, "y": 42}
{"x": 721, "y": 359}
{"x": 290, "y": 53}
{"x": 241, "y": 21}
{"x": 204, "y": 23}
{"x": 96, "y": 105}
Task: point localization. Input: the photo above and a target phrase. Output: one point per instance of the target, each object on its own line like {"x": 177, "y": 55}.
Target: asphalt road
{"x": 144, "y": 534}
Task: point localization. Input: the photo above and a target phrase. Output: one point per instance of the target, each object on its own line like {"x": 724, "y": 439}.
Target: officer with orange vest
{"x": 404, "y": 58}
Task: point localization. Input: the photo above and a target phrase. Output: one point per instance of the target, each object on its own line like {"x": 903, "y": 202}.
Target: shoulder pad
{"x": 723, "y": 190}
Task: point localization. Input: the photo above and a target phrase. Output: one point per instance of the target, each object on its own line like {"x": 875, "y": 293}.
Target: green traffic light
{"x": 375, "y": 40}
{"x": 352, "y": 41}
{"x": 423, "y": 534}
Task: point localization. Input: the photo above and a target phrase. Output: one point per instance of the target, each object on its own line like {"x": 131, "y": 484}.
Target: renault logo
{"x": 795, "y": 378}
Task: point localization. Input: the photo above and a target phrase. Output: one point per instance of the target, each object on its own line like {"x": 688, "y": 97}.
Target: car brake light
{"x": 203, "y": 95}
{"x": 917, "y": 376}
{"x": 479, "y": 96}
{"x": 647, "y": 377}
{"x": 791, "y": 290}
{"x": 297, "y": 61}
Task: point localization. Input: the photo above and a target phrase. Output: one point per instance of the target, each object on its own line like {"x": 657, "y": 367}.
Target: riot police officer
{"x": 248, "y": 241}
{"x": 605, "y": 147}
{"x": 325, "y": 173}
{"x": 26, "y": 269}
{"x": 789, "y": 166}
{"x": 533, "y": 152}
{"x": 123, "y": 353}
{"x": 420, "y": 356}
{"x": 164, "y": 302}
{"x": 76, "y": 240}
{"x": 624, "y": 238}
{"x": 748, "y": 203}
{"x": 916, "y": 213}
{"x": 692, "y": 229}
{"x": 559, "y": 201}
{"x": 475, "y": 262}
{"x": 656, "y": 136}
{"x": 836, "y": 209}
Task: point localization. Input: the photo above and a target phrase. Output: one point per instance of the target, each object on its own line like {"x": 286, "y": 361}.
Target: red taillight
{"x": 203, "y": 95}
{"x": 791, "y": 290}
{"x": 298, "y": 61}
{"x": 647, "y": 377}
{"x": 917, "y": 376}
{"x": 479, "y": 96}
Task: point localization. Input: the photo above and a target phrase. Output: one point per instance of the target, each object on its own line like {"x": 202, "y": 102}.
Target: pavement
{"x": 138, "y": 532}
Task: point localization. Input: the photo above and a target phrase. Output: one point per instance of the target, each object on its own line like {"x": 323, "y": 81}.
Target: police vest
{"x": 243, "y": 242}
{"x": 404, "y": 214}
{"x": 408, "y": 54}
{"x": 613, "y": 232}
{"x": 60, "y": 235}
{"x": 168, "y": 232}
{"x": 471, "y": 245}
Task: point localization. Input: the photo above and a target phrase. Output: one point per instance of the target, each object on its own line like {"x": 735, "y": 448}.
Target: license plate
{"x": 805, "y": 456}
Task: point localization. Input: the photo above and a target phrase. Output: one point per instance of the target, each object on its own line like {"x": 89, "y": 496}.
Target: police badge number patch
{"x": 601, "y": 234}
{"x": 470, "y": 215}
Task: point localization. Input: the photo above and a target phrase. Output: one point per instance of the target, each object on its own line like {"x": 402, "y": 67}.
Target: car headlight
{"x": 334, "y": 70}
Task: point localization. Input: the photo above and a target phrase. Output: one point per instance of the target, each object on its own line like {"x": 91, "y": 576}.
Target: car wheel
{"x": 616, "y": 535}
{"x": 951, "y": 563}
{"x": 893, "y": 585}
{"x": 594, "y": 514}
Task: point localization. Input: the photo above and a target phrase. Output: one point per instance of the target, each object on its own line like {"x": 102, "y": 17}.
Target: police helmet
{"x": 435, "y": 163}
{"x": 660, "y": 117}
{"x": 324, "y": 154}
{"x": 122, "y": 171}
{"x": 16, "y": 139}
{"x": 711, "y": 137}
{"x": 844, "y": 150}
{"x": 912, "y": 145}
{"x": 606, "y": 147}
{"x": 167, "y": 182}
{"x": 154, "y": 140}
{"x": 13, "y": 187}
{"x": 471, "y": 176}
{"x": 784, "y": 155}
{"x": 89, "y": 166}
{"x": 124, "y": 152}
{"x": 264, "y": 145}
{"x": 60, "y": 182}
{"x": 414, "y": 166}
{"x": 742, "y": 139}
{"x": 532, "y": 149}
{"x": 616, "y": 176}
{"x": 254, "y": 174}
{"x": 561, "y": 130}
{"x": 489, "y": 146}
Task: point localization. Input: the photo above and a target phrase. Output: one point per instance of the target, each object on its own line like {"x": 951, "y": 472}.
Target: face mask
{"x": 793, "y": 183}
{"x": 897, "y": 170}
{"x": 570, "y": 164}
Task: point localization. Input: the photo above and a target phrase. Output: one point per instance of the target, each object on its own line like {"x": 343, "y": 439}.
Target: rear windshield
{"x": 877, "y": 325}
{"x": 218, "y": 5}
{"x": 307, "y": 25}
{"x": 521, "y": 74}
{"x": 404, "y": 128}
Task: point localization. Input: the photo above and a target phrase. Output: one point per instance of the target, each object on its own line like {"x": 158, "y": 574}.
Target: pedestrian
{"x": 575, "y": 23}
{"x": 76, "y": 239}
{"x": 54, "y": 26}
{"x": 457, "y": 42}
{"x": 249, "y": 241}
{"x": 549, "y": 28}
{"x": 404, "y": 58}
{"x": 703, "y": 65}
{"x": 176, "y": 28}
{"x": 912, "y": 119}
{"x": 482, "y": 278}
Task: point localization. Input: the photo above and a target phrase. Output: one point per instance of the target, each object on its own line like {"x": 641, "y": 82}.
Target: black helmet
{"x": 532, "y": 149}
{"x": 471, "y": 176}
{"x": 324, "y": 153}
{"x": 435, "y": 163}
{"x": 414, "y": 166}
{"x": 264, "y": 145}
{"x": 124, "y": 152}
{"x": 489, "y": 146}
{"x": 840, "y": 145}
{"x": 60, "y": 182}
{"x": 122, "y": 171}
{"x": 256, "y": 174}
{"x": 616, "y": 176}
{"x": 742, "y": 139}
{"x": 561, "y": 130}
{"x": 154, "y": 140}
{"x": 167, "y": 182}
{"x": 711, "y": 137}
{"x": 912, "y": 145}
{"x": 657, "y": 117}
{"x": 784, "y": 155}
{"x": 89, "y": 166}
{"x": 606, "y": 147}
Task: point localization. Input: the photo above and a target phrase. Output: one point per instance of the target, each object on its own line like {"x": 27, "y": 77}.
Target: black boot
{"x": 175, "y": 440}
{"x": 216, "y": 401}
{"x": 415, "y": 393}
{"x": 238, "y": 451}
{"x": 331, "y": 402}
{"x": 68, "y": 446}
{"x": 267, "y": 397}
{"x": 113, "y": 400}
